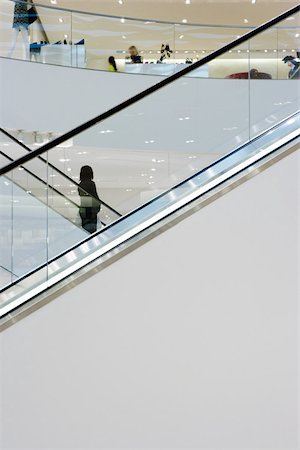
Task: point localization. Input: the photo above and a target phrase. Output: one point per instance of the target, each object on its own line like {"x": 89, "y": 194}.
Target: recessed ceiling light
{"x": 181, "y": 36}
{"x": 184, "y": 21}
{"x": 253, "y": 2}
{"x": 246, "y": 20}
{"x": 53, "y": 2}
{"x": 297, "y": 35}
{"x": 120, "y": 2}
{"x": 123, "y": 37}
{"x": 187, "y": 2}
{"x": 122, "y": 20}
{"x": 60, "y": 20}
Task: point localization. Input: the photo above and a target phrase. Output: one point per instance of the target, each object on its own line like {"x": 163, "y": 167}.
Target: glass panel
{"x": 87, "y": 40}
{"x": 10, "y": 150}
{"x": 6, "y": 204}
{"x": 50, "y": 38}
{"x": 273, "y": 95}
{"x": 161, "y": 140}
{"x": 113, "y": 37}
{"x": 29, "y": 228}
{"x": 195, "y": 42}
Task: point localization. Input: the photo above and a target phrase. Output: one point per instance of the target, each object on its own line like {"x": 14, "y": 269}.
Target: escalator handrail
{"x": 54, "y": 168}
{"x": 129, "y": 102}
{"x": 181, "y": 183}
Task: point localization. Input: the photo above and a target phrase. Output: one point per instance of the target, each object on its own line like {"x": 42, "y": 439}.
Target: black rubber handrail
{"x": 54, "y": 168}
{"x": 136, "y": 98}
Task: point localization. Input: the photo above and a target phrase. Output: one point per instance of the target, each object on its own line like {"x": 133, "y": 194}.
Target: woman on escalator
{"x": 90, "y": 203}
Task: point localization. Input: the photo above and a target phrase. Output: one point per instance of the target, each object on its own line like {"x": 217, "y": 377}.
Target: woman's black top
{"x": 90, "y": 203}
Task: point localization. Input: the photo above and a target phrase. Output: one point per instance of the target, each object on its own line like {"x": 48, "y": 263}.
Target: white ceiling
{"x": 198, "y": 11}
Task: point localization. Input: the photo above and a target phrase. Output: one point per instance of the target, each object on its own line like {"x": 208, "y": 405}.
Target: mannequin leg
{"x": 13, "y": 42}
{"x": 25, "y": 36}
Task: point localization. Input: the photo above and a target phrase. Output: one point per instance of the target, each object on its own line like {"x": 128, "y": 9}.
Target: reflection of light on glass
{"x": 192, "y": 183}
{"x": 106, "y": 131}
{"x": 85, "y": 248}
{"x": 71, "y": 257}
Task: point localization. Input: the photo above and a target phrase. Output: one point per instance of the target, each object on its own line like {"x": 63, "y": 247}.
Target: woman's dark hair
{"x": 112, "y": 61}
{"x": 86, "y": 173}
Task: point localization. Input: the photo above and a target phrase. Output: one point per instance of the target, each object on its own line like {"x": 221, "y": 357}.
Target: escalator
{"x": 181, "y": 155}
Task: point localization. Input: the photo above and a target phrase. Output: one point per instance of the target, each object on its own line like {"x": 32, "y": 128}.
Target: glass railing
{"x": 94, "y": 41}
{"x": 142, "y": 151}
{"x": 53, "y": 187}
{"x": 134, "y": 226}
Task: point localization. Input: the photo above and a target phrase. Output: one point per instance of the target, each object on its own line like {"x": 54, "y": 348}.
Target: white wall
{"x": 52, "y": 98}
{"x": 38, "y": 97}
{"x": 188, "y": 342}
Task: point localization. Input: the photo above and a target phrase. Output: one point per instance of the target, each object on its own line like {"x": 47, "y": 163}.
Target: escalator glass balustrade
{"x": 150, "y": 158}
